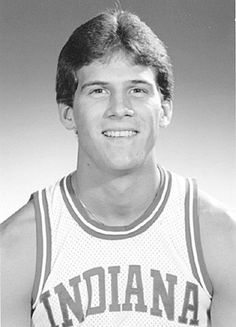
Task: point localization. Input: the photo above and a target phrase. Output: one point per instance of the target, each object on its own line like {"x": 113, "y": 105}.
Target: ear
{"x": 66, "y": 116}
{"x": 166, "y": 113}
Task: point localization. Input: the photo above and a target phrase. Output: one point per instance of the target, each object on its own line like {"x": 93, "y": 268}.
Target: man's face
{"x": 117, "y": 110}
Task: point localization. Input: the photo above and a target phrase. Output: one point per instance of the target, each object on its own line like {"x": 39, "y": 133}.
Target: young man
{"x": 120, "y": 241}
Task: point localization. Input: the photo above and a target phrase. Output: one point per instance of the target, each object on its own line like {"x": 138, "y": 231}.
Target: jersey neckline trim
{"x": 100, "y": 230}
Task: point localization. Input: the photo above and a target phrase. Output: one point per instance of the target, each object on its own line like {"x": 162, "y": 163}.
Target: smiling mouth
{"x": 125, "y": 133}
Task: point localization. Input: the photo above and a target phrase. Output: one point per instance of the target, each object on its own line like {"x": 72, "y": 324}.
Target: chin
{"x": 124, "y": 166}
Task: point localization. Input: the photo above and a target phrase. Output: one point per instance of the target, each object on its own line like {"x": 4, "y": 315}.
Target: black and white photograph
{"x": 118, "y": 163}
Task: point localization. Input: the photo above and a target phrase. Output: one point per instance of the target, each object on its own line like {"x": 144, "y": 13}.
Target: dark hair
{"x": 103, "y": 35}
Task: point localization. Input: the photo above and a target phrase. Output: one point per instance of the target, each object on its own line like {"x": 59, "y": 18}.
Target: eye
{"x": 138, "y": 91}
{"x": 98, "y": 92}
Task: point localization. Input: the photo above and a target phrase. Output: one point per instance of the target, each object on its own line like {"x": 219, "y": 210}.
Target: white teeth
{"x": 119, "y": 133}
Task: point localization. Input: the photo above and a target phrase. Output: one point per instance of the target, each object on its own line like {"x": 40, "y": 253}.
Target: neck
{"x": 116, "y": 199}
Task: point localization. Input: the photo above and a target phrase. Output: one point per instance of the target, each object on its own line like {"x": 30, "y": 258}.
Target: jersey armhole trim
{"x": 198, "y": 243}
{"x": 193, "y": 239}
{"x": 43, "y": 244}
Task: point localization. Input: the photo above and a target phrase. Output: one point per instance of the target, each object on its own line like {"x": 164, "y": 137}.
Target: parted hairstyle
{"x": 103, "y": 35}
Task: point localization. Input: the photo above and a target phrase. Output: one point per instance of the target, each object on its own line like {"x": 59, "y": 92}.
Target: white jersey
{"x": 148, "y": 273}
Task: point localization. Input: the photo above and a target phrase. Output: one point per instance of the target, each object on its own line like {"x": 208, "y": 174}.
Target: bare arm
{"x": 218, "y": 233}
{"x": 18, "y": 256}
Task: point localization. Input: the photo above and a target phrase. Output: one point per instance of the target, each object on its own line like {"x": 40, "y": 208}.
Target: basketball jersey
{"x": 148, "y": 273}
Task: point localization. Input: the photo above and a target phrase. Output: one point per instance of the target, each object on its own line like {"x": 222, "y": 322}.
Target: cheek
{"x": 151, "y": 119}
{"x": 82, "y": 116}
{"x": 152, "y": 128}
{"x": 88, "y": 128}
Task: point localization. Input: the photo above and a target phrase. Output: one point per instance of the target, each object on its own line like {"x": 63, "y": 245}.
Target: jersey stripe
{"x": 193, "y": 237}
{"x": 188, "y": 233}
{"x": 39, "y": 247}
{"x": 43, "y": 252}
{"x": 202, "y": 266}
{"x": 107, "y": 232}
{"x": 48, "y": 236}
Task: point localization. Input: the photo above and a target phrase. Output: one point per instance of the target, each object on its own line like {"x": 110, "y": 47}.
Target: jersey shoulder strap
{"x": 43, "y": 244}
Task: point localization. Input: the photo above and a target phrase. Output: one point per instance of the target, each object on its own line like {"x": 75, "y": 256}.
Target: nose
{"x": 119, "y": 107}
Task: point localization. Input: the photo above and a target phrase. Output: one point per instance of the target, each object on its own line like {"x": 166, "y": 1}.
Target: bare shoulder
{"x": 215, "y": 211}
{"x": 19, "y": 230}
{"x": 218, "y": 235}
{"x": 18, "y": 239}
{"x": 18, "y": 256}
{"x": 21, "y": 221}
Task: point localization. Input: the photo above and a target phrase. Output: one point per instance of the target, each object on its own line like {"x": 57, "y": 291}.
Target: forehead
{"x": 118, "y": 67}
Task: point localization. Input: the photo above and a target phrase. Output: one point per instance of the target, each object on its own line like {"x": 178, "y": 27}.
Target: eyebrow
{"x": 103, "y": 83}
{"x": 140, "y": 81}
